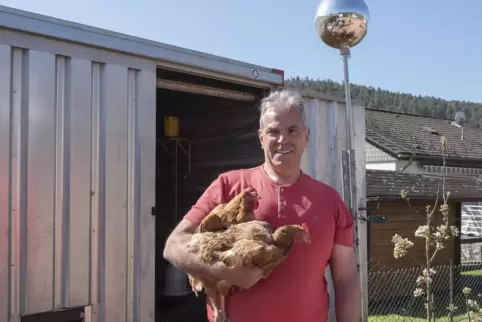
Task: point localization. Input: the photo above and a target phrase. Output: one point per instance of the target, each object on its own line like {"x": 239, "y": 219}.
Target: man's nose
{"x": 281, "y": 138}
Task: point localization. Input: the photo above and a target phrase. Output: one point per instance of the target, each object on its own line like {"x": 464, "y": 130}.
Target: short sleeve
{"x": 343, "y": 225}
{"x": 212, "y": 196}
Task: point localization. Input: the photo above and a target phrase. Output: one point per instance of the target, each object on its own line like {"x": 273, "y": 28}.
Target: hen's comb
{"x": 252, "y": 191}
{"x": 305, "y": 228}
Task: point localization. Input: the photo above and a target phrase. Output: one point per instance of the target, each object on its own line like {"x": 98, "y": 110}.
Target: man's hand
{"x": 346, "y": 283}
{"x": 243, "y": 277}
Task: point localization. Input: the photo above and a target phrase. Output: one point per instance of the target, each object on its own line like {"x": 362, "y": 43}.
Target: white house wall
{"x": 374, "y": 154}
{"x": 384, "y": 166}
{"x": 77, "y": 153}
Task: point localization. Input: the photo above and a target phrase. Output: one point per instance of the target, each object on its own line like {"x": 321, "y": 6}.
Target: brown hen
{"x": 248, "y": 243}
{"x": 254, "y": 242}
{"x": 240, "y": 209}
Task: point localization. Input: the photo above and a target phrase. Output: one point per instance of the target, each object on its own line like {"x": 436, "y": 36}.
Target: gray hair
{"x": 280, "y": 99}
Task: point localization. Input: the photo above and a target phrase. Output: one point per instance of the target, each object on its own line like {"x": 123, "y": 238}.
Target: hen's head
{"x": 289, "y": 234}
{"x": 251, "y": 197}
{"x": 303, "y": 235}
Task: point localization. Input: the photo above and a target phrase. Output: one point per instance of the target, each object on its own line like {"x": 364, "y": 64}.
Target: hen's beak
{"x": 255, "y": 202}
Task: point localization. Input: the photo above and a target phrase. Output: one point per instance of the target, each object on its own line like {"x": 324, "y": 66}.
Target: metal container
{"x": 176, "y": 282}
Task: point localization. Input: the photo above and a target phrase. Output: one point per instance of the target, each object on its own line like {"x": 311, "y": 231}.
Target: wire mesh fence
{"x": 391, "y": 293}
{"x": 471, "y": 252}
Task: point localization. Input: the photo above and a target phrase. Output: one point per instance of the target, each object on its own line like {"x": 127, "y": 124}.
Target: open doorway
{"x": 217, "y": 132}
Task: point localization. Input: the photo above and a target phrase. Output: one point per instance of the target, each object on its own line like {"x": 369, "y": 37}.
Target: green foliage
{"x": 377, "y": 98}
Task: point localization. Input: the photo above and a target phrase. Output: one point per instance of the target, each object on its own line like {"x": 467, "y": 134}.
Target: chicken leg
{"x": 224, "y": 316}
{"x": 219, "y": 315}
{"x": 223, "y": 288}
{"x": 216, "y": 315}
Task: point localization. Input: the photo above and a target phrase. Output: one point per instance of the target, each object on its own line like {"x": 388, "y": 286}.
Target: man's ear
{"x": 260, "y": 137}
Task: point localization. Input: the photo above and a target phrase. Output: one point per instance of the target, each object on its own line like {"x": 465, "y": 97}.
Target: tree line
{"x": 380, "y": 99}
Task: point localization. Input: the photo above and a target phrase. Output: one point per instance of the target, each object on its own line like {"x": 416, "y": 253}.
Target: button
{"x": 281, "y": 189}
{"x": 281, "y": 206}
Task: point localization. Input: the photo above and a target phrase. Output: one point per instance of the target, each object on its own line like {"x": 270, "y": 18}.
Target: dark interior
{"x": 64, "y": 315}
{"x": 218, "y": 134}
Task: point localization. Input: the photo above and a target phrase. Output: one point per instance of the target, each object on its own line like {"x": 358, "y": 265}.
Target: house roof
{"x": 405, "y": 135}
{"x": 388, "y": 184}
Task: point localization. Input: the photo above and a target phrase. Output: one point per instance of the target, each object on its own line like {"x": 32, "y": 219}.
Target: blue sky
{"x": 423, "y": 47}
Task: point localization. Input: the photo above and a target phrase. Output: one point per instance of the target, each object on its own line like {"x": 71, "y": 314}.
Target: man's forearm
{"x": 347, "y": 301}
{"x": 177, "y": 254}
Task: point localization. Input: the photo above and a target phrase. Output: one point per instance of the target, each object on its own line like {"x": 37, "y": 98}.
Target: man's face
{"x": 283, "y": 138}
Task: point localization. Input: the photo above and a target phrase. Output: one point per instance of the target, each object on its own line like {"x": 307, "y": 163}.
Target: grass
{"x": 401, "y": 318}
{"x": 477, "y": 272}
{"x": 393, "y": 318}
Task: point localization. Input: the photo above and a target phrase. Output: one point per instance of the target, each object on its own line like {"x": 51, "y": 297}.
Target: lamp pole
{"x": 343, "y": 24}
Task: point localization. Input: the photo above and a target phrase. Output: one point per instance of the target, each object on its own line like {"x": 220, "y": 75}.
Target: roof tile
{"x": 388, "y": 184}
{"x": 397, "y": 133}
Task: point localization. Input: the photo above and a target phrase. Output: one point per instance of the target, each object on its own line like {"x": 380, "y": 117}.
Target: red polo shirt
{"x": 296, "y": 291}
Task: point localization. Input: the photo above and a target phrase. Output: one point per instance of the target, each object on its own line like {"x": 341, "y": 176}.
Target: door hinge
{"x": 153, "y": 210}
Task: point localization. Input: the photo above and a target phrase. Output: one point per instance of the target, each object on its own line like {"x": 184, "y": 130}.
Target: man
{"x": 296, "y": 291}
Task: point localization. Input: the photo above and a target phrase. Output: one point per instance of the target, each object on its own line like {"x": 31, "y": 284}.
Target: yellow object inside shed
{"x": 171, "y": 126}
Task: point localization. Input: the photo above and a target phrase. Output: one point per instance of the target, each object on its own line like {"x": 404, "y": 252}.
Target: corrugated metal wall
{"x": 322, "y": 160}
{"x": 327, "y": 121}
{"x": 77, "y": 153}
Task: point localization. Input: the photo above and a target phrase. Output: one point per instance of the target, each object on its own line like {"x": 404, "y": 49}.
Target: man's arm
{"x": 346, "y": 283}
{"x": 176, "y": 252}
{"x": 344, "y": 268}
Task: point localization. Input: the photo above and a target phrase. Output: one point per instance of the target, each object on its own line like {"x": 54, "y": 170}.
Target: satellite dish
{"x": 460, "y": 121}
{"x": 460, "y": 118}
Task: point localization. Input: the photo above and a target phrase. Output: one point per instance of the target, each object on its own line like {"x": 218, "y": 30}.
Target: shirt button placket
{"x": 281, "y": 203}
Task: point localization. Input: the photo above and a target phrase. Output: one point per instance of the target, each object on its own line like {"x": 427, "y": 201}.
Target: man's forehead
{"x": 275, "y": 124}
{"x": 282, "y": 115}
